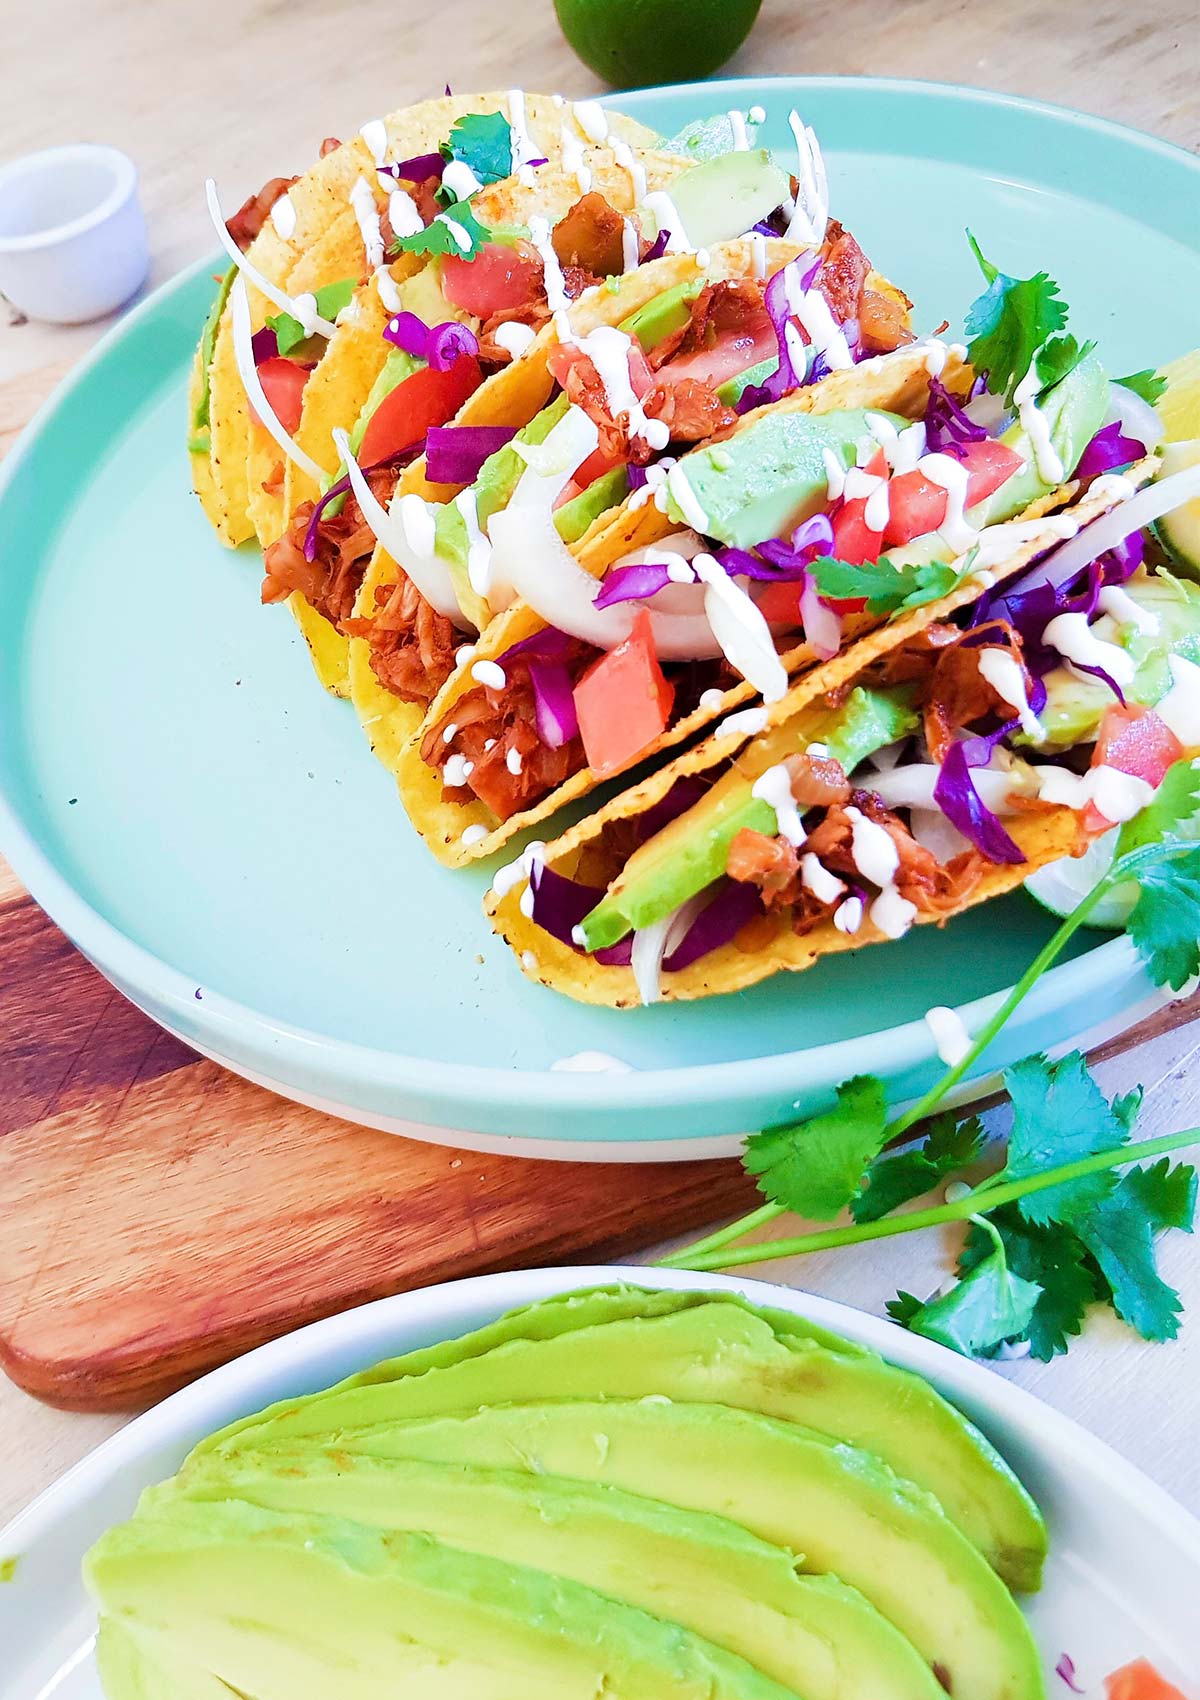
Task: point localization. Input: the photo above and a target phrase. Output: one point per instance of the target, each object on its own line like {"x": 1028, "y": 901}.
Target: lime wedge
{"x": 1060, "y": 886}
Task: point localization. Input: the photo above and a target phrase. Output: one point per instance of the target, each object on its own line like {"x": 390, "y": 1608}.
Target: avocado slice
{"x": 199, "y": 440}
{"x": 704, "y": 1348}
{"x": 287, "y": 1606}
{"x": 723, "y": 197}
{"x": 771, "y": 474}
{"x": 668, "y": 312}
{"x": 139, "y": 1664}
{"x": 703, "y": 138}
{"x": 582, "y": 511}
{"x": 812, "y": 1633}
{"x": 732, "y": 390}
{"x": 1180, "y": 531}
{"x": 1074, "y": 410}
{"x": 841, "y": 1509}
{"x": 691, "y": 851}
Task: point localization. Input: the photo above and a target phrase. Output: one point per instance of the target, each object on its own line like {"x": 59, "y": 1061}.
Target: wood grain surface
{"x": 238, "y": 89}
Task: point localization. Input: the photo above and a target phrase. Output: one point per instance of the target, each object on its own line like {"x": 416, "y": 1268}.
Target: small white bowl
{"x": 72, "y": 233}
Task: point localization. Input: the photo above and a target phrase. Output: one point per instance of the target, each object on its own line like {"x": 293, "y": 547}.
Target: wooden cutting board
{"x": 159, "y": 1215}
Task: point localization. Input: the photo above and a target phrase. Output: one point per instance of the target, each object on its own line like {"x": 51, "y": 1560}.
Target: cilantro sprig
{"x": 1057, "y": 1228}
{"x": 442, "y": 235}
{"x": 888, "y": 587}
{"x": 1145, "y": 383}
{"x": 482, "y": 141}
{"x": 1010, "y": 322}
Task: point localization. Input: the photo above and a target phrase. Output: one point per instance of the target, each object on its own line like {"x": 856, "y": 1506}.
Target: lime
{"x": 1179, "y": 406}
{"x": 631, "y": 43}
{"x": 1060, "y": 886}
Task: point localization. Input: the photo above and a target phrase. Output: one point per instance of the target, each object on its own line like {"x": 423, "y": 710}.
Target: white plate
{"x": 1123, "y": 1578}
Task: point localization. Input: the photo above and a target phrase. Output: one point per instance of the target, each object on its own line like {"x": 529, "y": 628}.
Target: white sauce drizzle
{"x": 872, "y": 849}
{"x": 375, "y": 139}
{"x": 1179, "y": 709}
{"x": 464, "y": 653}
{"x": 684, "y": 497}
{"x": 460, "y": 179}
{"x": 747, "y": 722}
{"x": 757, "y": 114}
{"x": 574, "y": 159}
{"x": 893, "y": 914}
{"x": 508, "y": 877}
{"x": 591, "y": 119}
{"x": 473, "y": 834}
{"x": 624, "y": 156}
{"x": 878, "y": 509}
{"x": 668, "y": 217}
{"x": 460, "y": 235}
{"x": 835, "y": 474}
{"x": 514, "y": 337}
{"x": 458, "y": 770}
{"x": 825, "y": 887}
{"x": 1005, "y": 675}
{"x": 901, "y": 449}
{"x": 950, "y": 1038}
{"x": 403, "y": 216}
{"x": 557, "y": 298}
{"x": 1033, "y": 423}
{"x": 758, "y": 253}
{"x": 608, "y": 350}
{"x": 512, "y": 762}
{"x": 479, "y": 549}
{"x": 448, "y": 734}
{"x": 741, "y": 136}
{"x": 848, "y": 916}
{"x": 713, "y": 700}
{"x": 283, "y": 216}
{"x": 1118, "y": 796}
{"x": 1072, "y": 637}
{"x": 489, "y": 673}
{"x": 655, "y": 488}
{"x": 954, "y": 479}
{"x": 774, "y": 787}
{"x": 362, "y": 200}
{"x": 631, "y": 247}
{"x": 813, "y": 311}
{"x": 1116, "y": 602}
{"x": 523, "y": 148}
{"x": 389, "y": 294}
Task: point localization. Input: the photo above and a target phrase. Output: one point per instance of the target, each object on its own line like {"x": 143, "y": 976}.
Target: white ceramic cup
{"x": 72, "y": 233}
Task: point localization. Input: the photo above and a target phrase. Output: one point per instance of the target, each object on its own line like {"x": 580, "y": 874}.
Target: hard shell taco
{"x": 389, "y": 377}
{"x": 302, "y": 245}
{"x": 937, "y": 764}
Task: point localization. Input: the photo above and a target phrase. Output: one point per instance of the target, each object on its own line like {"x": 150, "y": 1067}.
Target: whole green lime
{"x": 634, "y": 42}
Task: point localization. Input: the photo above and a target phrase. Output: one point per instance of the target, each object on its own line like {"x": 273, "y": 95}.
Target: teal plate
{"x": 211, "y": 830}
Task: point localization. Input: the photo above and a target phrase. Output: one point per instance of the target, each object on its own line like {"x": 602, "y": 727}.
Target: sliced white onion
{"x": 427, "y": 571}
{"x": 741, "y": 630}
{"x": 822, "y": 627}
{"x": 243, "y": 354}
{"x": 1134, "y": 514}
{"x": 911, "y": 787}
{"x": 1135, "y": 416}
{"x": 933, "y": 832}
{"x": 657, "y": 941}
{"x": 530, "y": 558}
{"x": 308, "y": 317}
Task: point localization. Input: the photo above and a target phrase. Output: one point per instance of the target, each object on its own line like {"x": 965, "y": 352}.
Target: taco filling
{"x": 806, "y": 528}
{"x": 1067, "y": 692}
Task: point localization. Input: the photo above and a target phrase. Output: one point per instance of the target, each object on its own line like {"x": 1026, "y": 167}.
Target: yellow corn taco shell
{"x": 320, "y": 199}
{"x": 770, "y": 946}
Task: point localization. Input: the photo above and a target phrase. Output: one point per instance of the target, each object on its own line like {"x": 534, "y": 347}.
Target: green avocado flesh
{"x": 1180, "y": 531}
{"x": 199, "y": 441}
{"x": 668, "y": 312}
{"x": 723, "y": 197}
{"x": 617, "y": 1492}
{"x": 732, "y": 390}
{"x": 771, "y": 474}
{"x": 700, "y": 1570}
{"x": 691, "y": 851}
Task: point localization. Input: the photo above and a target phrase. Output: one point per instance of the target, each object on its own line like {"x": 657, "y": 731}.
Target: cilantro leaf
{"x": 987, "y": 1306}
{"x": 1119, "y": 1233}
{"x": 1009, "y": 322}
{"x": 1056, "y": 1261}
{"x": 330, "y": 300}
{"x": 1059, "y": 1116}
{"x": 1172, "y": 814}
{"x": 440, "y": 237}
{"x": 904, "y": 1307}
{"x": 895, "y": 1178}
{"x": 1165, "y": 923}
{"x": 815, "y": 1167}
{"x": 483, "y": 141}
{"x": 1146, "y": 383}
{"x": 888, "y": 588}
{"x": 1058, "y": 356}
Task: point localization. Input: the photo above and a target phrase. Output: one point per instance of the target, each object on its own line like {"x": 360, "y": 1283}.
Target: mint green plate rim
{"x": 562, "y": 1114}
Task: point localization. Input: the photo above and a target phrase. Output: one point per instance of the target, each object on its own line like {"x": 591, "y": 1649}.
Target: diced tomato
{"x": 426, "y": 398}
{"x": 1140, "y": 1681}
{"x": 779, "y": 604}
{"x": 623, "y": 701}
{"x": 916, "y": 505}
{"x": 733, "y": 351}
{"x": 283, "y": 384}
{"x": 497, "y": 279}
{"x": 595, "y": 466}
{"x": 1133, "y": 740}
{"x": 853, "y": 539}
{"x": 564, "y": 355}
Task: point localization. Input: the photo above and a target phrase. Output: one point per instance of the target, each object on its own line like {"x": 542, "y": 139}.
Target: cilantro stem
{"x": 929, "y": 1102}
{"x": 985, "y": 1197}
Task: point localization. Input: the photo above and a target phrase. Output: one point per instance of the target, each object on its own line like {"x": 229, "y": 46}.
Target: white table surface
{"x": 233, "y": 86}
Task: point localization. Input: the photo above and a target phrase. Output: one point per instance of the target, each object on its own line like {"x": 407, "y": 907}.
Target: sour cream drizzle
{"x": 283, "y": 216}
{"x": 1033, "y": 423}
{"x": 740, "y": 629}
{"x": 1179, "y": 709}
{"x": 403, "y": 216}
{"x": 624, "y": 156}
{"x": 514, "y": 337}
{"x": 746, "y": 723}
{"x": 668, "y": 217}
{"x": 362, "y": 200}
{"x": 1071, "y": 635}
{"x": 591, "y": 118}
{"x": 950, "y": 1038}
{"x": 774, "y": 787}
{"x": 460, "y": 179}
{"x": 608, "y": 350}
{"x": 1117, "y": 603}
{"x": 375, "y": 140}
{"x": 479, "y": 549}
{"x": 1004, "y": 674}
{"x": 874, "y": 854}
{"x": 952, "y": 476}
{"x": 557, "y": 298}
{"x": 522, "y": 142}
{"x": 574, "y": 159}
{"x": 825, "y": 887}
{"x": 631, "y": 247}
{"x": 813, "y": 311}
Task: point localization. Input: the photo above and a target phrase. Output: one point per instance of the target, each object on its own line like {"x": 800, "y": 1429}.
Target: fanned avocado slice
{"x": 707, "y": 1348}
{"x": 843, "y": 1510}
{"x": 301, "y": 1607}
{"x": 811, "y": 1633}
{"x": 138, "y": 1664}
